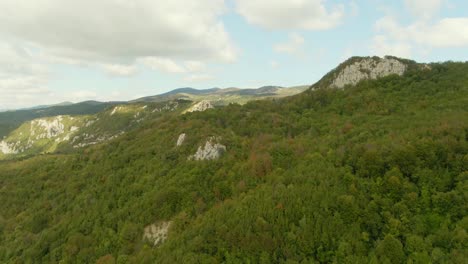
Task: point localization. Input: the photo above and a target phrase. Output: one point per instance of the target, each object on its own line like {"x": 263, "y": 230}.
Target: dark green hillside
{"x": 376, "y": 173}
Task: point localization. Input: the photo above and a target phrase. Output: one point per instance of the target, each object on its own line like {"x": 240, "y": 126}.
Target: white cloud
{"x": 444, "y": 33}
{"x": 424, "y": 9}
{"x": 115, "y": 36}
{"x": 162, "y": 64}
{"x": 293, "y": 46}
{"x": 22, "y": 79}
{"x": 290, "y": 15}
{"x": 274, "y": 64}
{"x": 199, "y": 78}
{"x": 195, "y": 66}
{"x": 119, "y": 69}
{"x": 170, "y": 66}
{"x": 116, "y": 31}
{"x": 426, "y": 32}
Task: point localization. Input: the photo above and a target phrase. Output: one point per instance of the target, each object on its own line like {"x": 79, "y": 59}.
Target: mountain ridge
{"x": 12, "y": 119}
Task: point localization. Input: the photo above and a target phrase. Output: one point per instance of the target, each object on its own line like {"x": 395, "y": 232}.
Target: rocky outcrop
{"x": 7, "y": 148}
{"x": 47, "y": 131}
{"x": 368, "y": 68}
{"x": 211, "y": 151}
{"x": 180, "y": 140}
{"x": 89, "y": 139}
{"x": 115, "y": 110}
{"x": 51, "y": 128}
{"x": 171, "y": 106}
{"x": 200, "y": 106}
{"x": 157, "y": 233}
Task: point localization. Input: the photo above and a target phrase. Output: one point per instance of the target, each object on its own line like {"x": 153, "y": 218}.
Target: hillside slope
{"x": 11, "y": 120}
{"x": 65, "y": 133}
{"x": 373, "y": 173}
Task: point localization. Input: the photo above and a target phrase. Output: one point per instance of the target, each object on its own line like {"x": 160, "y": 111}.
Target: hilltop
{"x": 357, "y": 69}
{"x": 373, "y": 171}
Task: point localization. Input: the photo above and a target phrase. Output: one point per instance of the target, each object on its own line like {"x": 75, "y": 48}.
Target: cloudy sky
{"x": 74, "y": 50}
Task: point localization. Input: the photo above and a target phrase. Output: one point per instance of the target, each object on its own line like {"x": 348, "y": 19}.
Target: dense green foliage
{"x": 376, "y": 173}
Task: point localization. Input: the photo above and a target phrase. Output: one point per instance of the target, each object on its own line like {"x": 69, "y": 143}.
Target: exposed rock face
{"x": 93, "y": 139}
{"x": 211, "y": 151}
{"x": 6, "y": 148}
{"x": 52, "y": 128}
{"x": 200, "y": 106}
{"x": 171, "y": 106}
{"x": 180, "y": 140}
{"x": 90, "y": 122}
{"x": 368, "y": 68}
{"x": 157, "y": 233}
{"x": 117, "y": 108}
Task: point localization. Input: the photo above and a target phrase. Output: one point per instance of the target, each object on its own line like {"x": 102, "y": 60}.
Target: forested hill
{"x": 372, "y": 169}
{"x": 10, "y": 120}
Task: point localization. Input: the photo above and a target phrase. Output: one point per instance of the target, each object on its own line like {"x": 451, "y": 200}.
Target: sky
{"x": 53, "y": 51}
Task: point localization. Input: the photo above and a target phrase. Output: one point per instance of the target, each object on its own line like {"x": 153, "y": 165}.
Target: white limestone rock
{"x": 7, "y": 148}
{"x": 90, "y": 122}
{"x": 181, "y": 139}
{"x": 200, "y": 106}
{"x": 368, "y": 68}
{"x": 211, "y": 151}
{"x": 157, "y": 233}
{"x": 52, "y": 128}
{"x": 94, "y": 139}
{"x": 171, "y": 106}
{"x": 117, "y": 108}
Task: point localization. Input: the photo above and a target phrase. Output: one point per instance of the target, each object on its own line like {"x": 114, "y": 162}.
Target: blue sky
{"x": 64, "y": 50}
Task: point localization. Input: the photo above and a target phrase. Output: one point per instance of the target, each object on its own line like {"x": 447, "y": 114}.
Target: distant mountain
{"x": 45, "y": 106}
{"x": 189, "y": 90}
{"x": 224, "y": 96}
{"x": 180, "y": 93}
{"x": 10, "y": 120}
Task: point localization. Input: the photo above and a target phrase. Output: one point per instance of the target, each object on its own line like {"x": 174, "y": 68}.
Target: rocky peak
{"x": 357, "y": 69}
{"x": 368, "y": 68}
{"x": 211, "y": 151}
